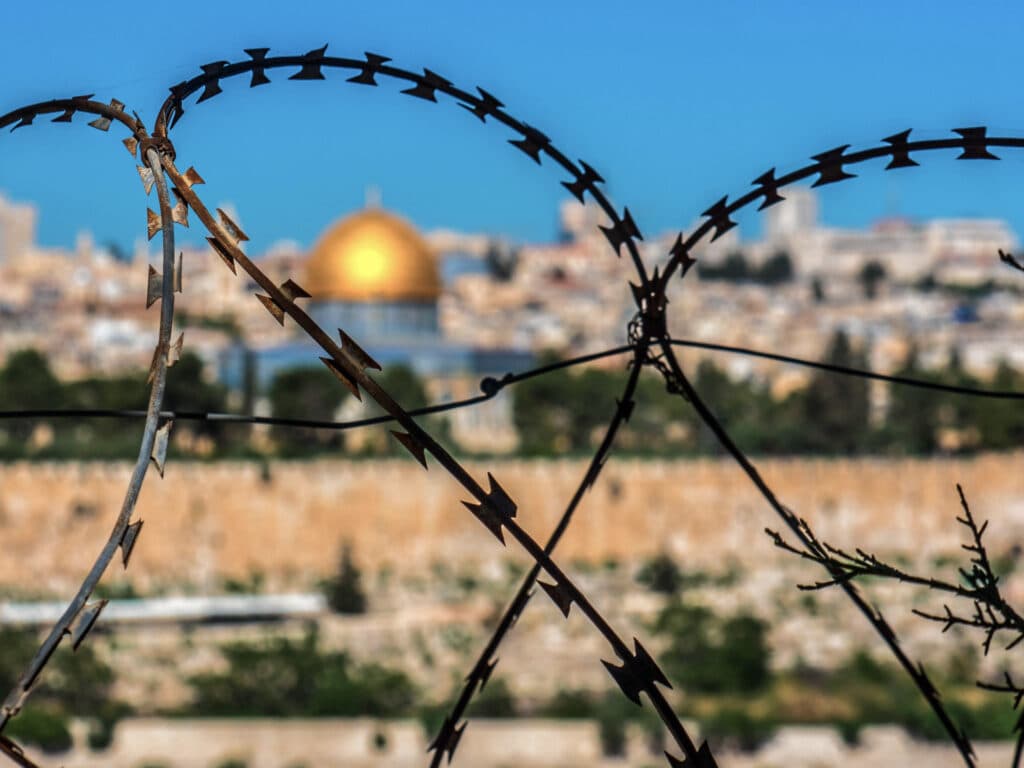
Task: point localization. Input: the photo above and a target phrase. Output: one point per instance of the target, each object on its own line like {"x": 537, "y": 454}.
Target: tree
{"x": 345, "y": 590}
{"x": 746, "y": 408}
{"x": 495, "y": 700}
{"x": 187, "y": 390}
{"x": 778, "y": 268}
{"x": 1001, "y": 422}
{"x": 305, "y": 393}
{"x": 818, "y": 290}
{"x": 402, "y": 383}
{"x": 282, "y": 677}
{"x": 661, "y": 574}
{"x": 544, "y": 411}
{"x": 911, "y": 419}
{"x": 27, "y": 383}
{"x": 407, "y": 389}
{"x": 710, "y": 655}
{"x": 501, "y": 260}
{"x": 78, "y": 684}
{"x": 871, "y": 275}
{"x": 733, "y": 268}
{"x": 836, "y": 408}
{"x": 957, "y": 412}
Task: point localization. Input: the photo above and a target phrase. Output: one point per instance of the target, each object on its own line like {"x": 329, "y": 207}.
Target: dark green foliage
{"x": 344, "y": 591}
{"x": 707, "y": 654}
{"x": 871, "y": 275}
{"x": 74, "y": 685}
{"x": 26, "y": 383}
{"x": 104, "y": 438}
{"x": 408, "y": 390}
{"x": 544, "y": 412}
{"x": 746, "y": 409}
{"x": 612, "y": 732}
{"x": 777, "y": 268}
{"x": 226, "y": 323}
{"x": 495, "y": 700}
{"x": 566, "y": 412}
{"x": 734, "y": 268}
{"x": 78, "y": 683}
{"x": 882, "y": 694}
{"x": 280, "y": 677}
{"x": 911, "y": 422}
{"x": 311, "y": 393}
{"x": 733, "y": 726}
{"x": 1000, "y": 423}
{"x": 402, "y": 383}
{"x": 743, "y": 713}
{"x": 661, "y": 574}
{"x": 569, "y": 704}
{"x": 917, "y": 418}
{"x": 835, "y": 409}
{"x": 42, "y": 728}
{"x": 818, "y": 290}
{"x": 187, "y": 390}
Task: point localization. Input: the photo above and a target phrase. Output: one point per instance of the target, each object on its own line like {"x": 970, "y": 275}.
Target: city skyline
{"x": 32, "y": 214}
{"x": 672, "y": 114}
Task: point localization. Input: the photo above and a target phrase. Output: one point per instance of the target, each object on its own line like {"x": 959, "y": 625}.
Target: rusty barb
{"x": 632, "y": 668}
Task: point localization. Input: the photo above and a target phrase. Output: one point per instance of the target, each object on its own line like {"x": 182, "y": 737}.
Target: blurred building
{"x": 374, "y": 276}
{"x": 17, "y": 229}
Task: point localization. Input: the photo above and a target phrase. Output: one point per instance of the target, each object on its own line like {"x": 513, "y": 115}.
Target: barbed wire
{"x": 493, "y": 507}
{"x": 650, "y": 345}
{"x": 978, "y": 584}
{"x": 829, "y": 167}
{"x": 81, "y": 615}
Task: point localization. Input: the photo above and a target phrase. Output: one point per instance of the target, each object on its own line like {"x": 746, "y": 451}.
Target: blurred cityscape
{"x": 452, "y": 308}
{"x": 317, "y": 579}
{"x": 933, "y": 283}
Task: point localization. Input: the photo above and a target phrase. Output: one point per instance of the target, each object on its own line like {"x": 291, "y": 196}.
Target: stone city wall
{"x": 207, "y": 522}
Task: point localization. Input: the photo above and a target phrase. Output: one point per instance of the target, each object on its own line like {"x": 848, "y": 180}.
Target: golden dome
{"x": 372, "y": 255}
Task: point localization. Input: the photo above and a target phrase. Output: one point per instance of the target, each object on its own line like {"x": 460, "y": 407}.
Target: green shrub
{"x": 344, "y": 591}
{"x": 41, "y": 728}
{"x": 710, "y": 655}
{"x": 495, "y": 700}
{"x": 570, "y": 704}
{"x": 735, "y": 726}
{"x": 281, "y": 677}
{"x": 661, "y": 574}
{"x": 614, "y": 711}
{"x": 612, "y": 731}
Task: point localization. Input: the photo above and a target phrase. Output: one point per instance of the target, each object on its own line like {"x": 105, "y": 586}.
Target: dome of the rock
{"x": 372, "y": 255}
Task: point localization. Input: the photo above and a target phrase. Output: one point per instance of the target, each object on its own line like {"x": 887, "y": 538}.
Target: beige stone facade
{"x": 207, "y": 522}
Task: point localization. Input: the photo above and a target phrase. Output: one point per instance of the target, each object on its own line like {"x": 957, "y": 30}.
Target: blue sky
{"x": 675, "y": 104}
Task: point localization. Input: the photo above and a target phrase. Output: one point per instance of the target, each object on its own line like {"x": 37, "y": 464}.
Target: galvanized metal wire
{"x": 650, "y": 345}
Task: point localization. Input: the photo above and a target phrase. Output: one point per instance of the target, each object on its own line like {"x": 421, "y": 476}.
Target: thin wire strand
{"x": 239, "y": 418}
